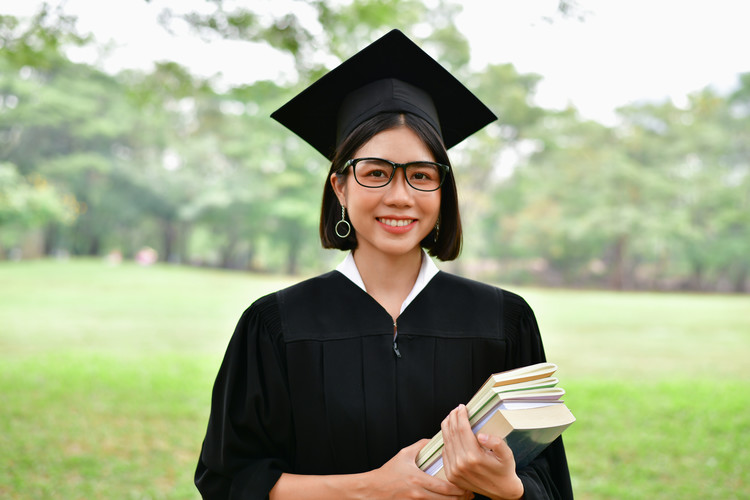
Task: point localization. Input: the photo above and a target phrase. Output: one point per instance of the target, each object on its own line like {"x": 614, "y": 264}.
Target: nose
{"x": 398, "y": 191}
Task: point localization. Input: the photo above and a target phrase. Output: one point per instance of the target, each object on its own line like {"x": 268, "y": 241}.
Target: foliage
{"x": 30, "y": 203}
{"x": 27, "y": 204}
{"x": 168, "y": 160}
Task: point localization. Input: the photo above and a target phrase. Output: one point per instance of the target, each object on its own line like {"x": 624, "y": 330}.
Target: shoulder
{"x": 471, "y": 295}
{"x": 460, "y": 283}
{"x": 261, "y": 316}
{"x": 267, "y": 309}
{"x": 325, "y": 307}
{"x": 319, "y": 288}
{"x": 469, "y": 289}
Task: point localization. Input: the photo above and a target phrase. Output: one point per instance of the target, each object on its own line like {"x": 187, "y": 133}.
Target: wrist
{"x": 322, "y": 487}
{"x": 360, "y": 486}
{"x": 511, "y": 492}
{"x": 517, "y": 494}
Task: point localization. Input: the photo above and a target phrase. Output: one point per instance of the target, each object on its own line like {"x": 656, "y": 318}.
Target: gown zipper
{"x": 395, "y": 340}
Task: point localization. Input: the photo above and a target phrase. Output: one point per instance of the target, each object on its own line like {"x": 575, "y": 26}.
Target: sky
{"x": 625, "y": 51}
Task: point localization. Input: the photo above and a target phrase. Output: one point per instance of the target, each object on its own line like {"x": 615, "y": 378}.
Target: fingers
{"x": 401, "y": 478}
{"x": 482, "y": 463}
{"x": 458, "y": 419}
{"x": 496, "y": 445}
{"x": 445, "y": 488}
{"x": 472, "y": 461}
{"x": 461, "y": 451}
{"x": 457, "y": 429}
{"x": 414, "y": 449}
{"x": 457, "y": 433}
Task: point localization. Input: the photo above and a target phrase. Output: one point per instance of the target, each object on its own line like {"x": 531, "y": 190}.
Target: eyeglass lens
{"x": 375, "y": 172}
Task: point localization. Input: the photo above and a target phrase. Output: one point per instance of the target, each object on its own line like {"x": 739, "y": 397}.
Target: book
{"x": 523, "y": 406}
{"x": 526, "y": 378}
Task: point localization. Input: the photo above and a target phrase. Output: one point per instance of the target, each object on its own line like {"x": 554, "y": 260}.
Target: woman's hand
{"x": 398, "y": 478}
{"x": 401, "y": 478}
{"x": 481, "y": 463}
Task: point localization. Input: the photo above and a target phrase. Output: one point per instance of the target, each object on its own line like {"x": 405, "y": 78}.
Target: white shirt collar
{"x": 427, "y": 271}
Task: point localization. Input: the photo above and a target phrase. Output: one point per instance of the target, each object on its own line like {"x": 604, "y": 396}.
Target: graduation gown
{"x": 313, "y": 381}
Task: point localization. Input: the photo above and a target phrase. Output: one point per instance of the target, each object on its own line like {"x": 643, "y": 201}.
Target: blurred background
{"x": 146, "y": 198}
{"x": 108, "y": 146}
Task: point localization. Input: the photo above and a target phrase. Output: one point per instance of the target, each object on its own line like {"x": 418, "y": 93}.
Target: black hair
{"x": 446, "y": 243}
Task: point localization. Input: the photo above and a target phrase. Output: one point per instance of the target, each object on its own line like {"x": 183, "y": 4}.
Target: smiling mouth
{"x": 396, "y": 222}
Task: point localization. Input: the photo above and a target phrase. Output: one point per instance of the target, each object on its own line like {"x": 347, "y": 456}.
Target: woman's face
{"x": 393, "y": 219}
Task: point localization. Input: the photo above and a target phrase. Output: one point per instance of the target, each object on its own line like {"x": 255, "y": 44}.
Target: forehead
{"x": 400, "y": 144}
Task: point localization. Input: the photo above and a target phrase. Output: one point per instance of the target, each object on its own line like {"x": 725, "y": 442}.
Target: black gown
{"x": 313, "y": 383}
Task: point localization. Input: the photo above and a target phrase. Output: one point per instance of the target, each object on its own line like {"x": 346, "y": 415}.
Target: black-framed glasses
{"x": 377, "y": 173}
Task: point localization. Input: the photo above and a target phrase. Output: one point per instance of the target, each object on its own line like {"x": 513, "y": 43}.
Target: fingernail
{"x": 483, "y": 438}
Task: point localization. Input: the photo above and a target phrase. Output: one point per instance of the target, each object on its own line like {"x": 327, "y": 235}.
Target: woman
{"x": 329, "y": 388}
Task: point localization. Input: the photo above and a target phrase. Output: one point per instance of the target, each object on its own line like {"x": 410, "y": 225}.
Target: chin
{"x": 399, "y": 250}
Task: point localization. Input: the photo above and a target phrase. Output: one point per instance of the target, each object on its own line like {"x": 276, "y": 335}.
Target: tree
{"x": 46, "y": 124}
{"x": 693, "y": 149}
{"x": 30, "y": 203}
{"x": 165, "y": 159}
{"x": 285, "y": 207}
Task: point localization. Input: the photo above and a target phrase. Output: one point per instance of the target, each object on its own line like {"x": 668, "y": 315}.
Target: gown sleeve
{"x": 249, "y": 440}
{"x": 547, "y": 476}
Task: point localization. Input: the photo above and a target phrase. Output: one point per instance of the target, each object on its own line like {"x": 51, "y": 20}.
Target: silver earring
{"x": 343, "y": 221}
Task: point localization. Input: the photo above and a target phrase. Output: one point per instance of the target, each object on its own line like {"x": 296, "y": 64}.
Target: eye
{"x": 373, "y": 170}
{"x": 424, "y": 172}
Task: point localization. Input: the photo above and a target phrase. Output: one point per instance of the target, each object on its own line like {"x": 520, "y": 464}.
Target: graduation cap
{"x": 390, "y": 75}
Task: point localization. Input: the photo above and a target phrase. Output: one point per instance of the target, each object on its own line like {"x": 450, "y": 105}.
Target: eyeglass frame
{"x": 353, "y": 161}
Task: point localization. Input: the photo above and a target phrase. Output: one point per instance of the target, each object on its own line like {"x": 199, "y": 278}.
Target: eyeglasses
{"x": 377, "y": 173}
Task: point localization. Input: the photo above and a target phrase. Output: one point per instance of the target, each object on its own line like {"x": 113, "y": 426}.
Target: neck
{"x": 387, "y": 278}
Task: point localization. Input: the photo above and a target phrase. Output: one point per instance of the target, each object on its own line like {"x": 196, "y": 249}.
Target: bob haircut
{"x": 447, "y": 245}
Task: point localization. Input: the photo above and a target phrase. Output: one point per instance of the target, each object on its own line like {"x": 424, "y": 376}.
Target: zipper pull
{"x": 395, "y": 341}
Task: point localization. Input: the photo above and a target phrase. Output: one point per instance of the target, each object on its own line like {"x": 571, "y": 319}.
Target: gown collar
{"x": 427, "y": 271}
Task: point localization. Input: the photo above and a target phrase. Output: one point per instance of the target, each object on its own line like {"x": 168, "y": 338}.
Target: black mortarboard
{"x": 391, "y": 74}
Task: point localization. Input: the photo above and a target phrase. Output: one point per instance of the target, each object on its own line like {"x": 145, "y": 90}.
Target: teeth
{"x": 397, "y": 222}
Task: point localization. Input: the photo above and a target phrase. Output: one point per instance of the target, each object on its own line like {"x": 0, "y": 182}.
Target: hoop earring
{"x": 343, "y": 221}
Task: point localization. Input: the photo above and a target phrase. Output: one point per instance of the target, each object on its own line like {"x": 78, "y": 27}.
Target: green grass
{"x": 93, "y": 426}
{"x": 665, "y": 440}
{"x": 644, "y": 335}
{"x": 75, "y": 306}
{"x": 106, "y": 372}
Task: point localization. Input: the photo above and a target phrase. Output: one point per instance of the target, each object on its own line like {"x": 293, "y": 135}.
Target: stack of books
{"x": 522, "y": 405}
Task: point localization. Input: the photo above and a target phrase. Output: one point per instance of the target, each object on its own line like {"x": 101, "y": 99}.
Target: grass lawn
{"x": 105, "y": 378}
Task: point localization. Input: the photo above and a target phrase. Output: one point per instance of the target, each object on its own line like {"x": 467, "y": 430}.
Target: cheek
{"x": 361, "y": 201}
{"x": 435, "y": 206}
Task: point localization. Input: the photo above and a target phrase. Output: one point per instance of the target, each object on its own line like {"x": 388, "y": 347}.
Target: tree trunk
{"x": 695, "y": 282}
{"x": 739, "y": 281}
{"x": 227, "y": 253}
{"x": 169, "y": 230}
{"x": 292, "y": 258}
{"x": 95, "y": 246}
{"x": 617, "y": 275}
{"x": 51, "y": 233}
